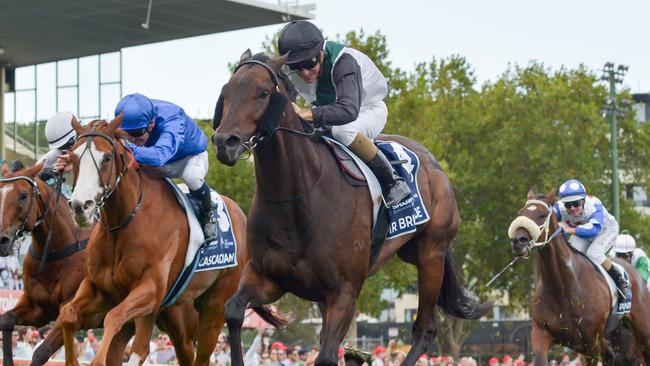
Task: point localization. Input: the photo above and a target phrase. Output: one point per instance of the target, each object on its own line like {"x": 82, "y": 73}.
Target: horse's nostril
{"x": 5, "y": 241}
{"x": 232, "y": 141}
{"x": 88, "y": 204}
{"x": 70, "y": 204}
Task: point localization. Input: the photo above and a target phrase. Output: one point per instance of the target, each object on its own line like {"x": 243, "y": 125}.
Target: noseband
{"x": 35, "y": 193}
{"x": 533, "y": 229}
{"x": 535, "y": 232}
{"x": 107, "y": 191}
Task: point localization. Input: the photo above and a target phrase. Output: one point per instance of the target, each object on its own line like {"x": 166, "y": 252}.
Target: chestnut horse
{"x": 138, "y": 248}
{"x": 309, "y": 230}
{"x": 28, "y": 204}
{"x": 572, "y": 301}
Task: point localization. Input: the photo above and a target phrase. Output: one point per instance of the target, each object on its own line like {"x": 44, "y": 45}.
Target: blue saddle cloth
{"x": 406, "y": 215}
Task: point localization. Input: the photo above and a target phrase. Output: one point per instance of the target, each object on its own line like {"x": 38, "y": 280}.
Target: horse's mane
{"x": 292, "y": 93}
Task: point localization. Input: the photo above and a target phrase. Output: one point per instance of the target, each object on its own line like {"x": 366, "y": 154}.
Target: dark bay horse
{"x": 572, "y": 301}
{"x": 309, "y": 230}
{"x": 28, "y": 204}
{"x": 138, "y": 248}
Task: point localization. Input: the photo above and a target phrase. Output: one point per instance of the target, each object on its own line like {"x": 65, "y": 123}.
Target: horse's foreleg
{"x": 88, "y": 300}
{"x": 212, "y": 317}
{"x": 339, "y": 309}
{"x": 254, "y": 290}
{"x": 116, "y": 352}
{"x": 430, "y": 266}
{"x": 7, "y": 324}
{"x": 25, "y": 312}
{"x": 180, "y": 322}
{"x": 541, "y": 342}
{"x": 139, "y": 305}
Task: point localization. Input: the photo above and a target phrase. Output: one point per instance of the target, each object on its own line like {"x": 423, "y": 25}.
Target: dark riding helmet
{"x": 302, "y": 39}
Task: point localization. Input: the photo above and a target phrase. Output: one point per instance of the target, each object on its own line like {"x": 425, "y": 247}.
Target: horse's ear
{"x": 5, "y": 168}
{"x": 33, "y": 171}
{"x": 245, "y": 56}
{"x": 550, "y": 197}
{"x": 278, "y": 62}
{"x": 116, "y": 122}
{"x": 79, "y": 129}
{"x": 121, "y": 134}
{"x": 531, "y": 194}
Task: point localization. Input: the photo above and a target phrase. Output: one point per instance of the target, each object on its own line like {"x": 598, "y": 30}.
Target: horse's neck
{"x": 557, "y": 263}
{"x": 287, "y": 165}
{"x": 62, "y": 226}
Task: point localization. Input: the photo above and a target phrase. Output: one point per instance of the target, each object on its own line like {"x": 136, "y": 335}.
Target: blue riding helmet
{"x": 137, "y": 110}
{"x": 572, "y": 190}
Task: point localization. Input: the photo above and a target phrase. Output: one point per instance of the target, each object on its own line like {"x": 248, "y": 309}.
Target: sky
{"x": 490, "y": 34}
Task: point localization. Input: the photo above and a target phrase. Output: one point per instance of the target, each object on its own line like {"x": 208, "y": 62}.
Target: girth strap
{"x": 60, "y": 254}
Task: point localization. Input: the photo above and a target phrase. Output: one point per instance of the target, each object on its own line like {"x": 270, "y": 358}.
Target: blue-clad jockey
{"x": 593, "y": 230}
{"x": 162, "y": 135}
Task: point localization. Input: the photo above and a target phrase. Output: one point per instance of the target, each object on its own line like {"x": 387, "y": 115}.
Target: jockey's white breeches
{"x": 596, "y": 248}
{"x": 370, "y": 122}
{"x": 192, "y": 170}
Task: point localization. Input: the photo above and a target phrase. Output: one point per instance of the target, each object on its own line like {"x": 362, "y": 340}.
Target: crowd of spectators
{"x": 11, "y": 273}
{"x": 263, "y": 351}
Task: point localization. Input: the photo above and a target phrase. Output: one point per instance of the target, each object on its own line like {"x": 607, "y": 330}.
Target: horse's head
{"x": 533, "y": 219}
{"x": 19, "y": 201}
{"x": 250, "y": 107}
{"x": 99, "y": 159}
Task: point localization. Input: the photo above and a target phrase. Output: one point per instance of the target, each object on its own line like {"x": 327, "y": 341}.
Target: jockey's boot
{"x": 206, "y": 213}
{"x": 394, "y": 188}
{"x": 620, "y": 281}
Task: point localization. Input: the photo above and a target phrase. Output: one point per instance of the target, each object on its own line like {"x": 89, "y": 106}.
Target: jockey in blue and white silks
{"x": 592, "y": 228}
{"x": 162, "y": 135}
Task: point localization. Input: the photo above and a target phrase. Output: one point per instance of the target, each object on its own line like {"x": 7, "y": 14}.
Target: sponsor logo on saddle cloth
{"x": 406, "y": 215}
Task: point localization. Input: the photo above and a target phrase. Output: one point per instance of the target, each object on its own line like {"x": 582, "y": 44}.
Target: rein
{"x": 269, "y": 125}
{"x": 107, "y": 192}
{"x": 535, "y": 231}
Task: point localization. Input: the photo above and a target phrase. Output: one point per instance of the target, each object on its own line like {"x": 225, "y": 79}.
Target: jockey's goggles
{"x": 306, "y": 64}
{"x": 577, "y": 203}
{"x": 68, "y": 144}
{"x": 138, "y": 132}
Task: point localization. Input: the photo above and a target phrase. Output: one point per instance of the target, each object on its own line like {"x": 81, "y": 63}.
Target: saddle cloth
{"x": 202, "y": 255}
{"x": 405, "y": 216}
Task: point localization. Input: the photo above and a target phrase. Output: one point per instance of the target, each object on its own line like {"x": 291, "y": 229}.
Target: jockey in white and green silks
{"x": 347, "y": 92}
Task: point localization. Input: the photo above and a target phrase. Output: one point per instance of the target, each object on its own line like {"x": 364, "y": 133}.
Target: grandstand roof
{"x": 38, "y": 31}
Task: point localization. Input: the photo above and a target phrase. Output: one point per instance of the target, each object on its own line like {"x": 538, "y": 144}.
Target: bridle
{"x": 267, "y": 128}
{"x": 528, "y": 224}
{"x": 535, "y": 232}
{"x": 35, "y": 193}
{"x": 108, "y": 190}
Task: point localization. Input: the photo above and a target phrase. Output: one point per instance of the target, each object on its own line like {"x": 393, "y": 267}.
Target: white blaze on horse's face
{"x": 88, "y": 188}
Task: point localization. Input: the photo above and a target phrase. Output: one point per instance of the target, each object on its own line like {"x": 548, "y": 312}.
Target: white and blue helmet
{"x": 572, "y": 190}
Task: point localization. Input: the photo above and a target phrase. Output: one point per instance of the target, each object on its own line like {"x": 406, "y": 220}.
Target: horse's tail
{"x": 456, "y": 300}
{"x": 274, "y": 317}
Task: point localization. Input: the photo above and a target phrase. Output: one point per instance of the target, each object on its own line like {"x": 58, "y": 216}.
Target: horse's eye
{"x": 265, "y": 93}
{"x": 23, "y": 196}
{"x": 106, "y": 159}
